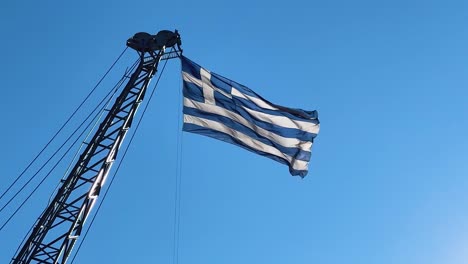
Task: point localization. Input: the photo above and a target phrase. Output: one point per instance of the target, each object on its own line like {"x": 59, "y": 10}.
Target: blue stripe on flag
{"x": 193, "y": 92}
{"x": 288, "y": 113}
{"x": 245, "y": 90}
{"x": 191, "y": 67}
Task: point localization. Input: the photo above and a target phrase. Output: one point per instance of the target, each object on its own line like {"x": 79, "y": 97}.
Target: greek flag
{"x": 217, "y": 107}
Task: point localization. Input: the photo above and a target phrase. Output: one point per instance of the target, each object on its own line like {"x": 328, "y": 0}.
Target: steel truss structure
{"x": 60, "y": 225}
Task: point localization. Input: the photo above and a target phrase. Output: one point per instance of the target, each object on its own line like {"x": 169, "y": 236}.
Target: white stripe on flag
{"x": 283, "y": 141}
{"x": 257, "y": 101}
{"x": 248, "y": 141}
{"x": 208, "y": 91}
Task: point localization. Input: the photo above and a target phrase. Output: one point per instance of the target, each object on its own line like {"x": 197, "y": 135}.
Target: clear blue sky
{"x": 387, "y": 180}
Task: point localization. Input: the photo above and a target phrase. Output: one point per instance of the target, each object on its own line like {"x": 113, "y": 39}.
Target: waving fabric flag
{"x": 217, "y": 107}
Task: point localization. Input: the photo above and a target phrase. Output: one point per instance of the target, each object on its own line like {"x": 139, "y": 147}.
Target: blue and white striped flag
{"x": 217, "y": 107}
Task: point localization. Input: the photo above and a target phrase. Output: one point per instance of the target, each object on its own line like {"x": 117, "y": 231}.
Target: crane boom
{"x": 60, "y": 225}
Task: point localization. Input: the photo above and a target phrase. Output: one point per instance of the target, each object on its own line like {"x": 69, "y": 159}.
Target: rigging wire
{"x": 61, "y": 128}
{"x": 53, "y": 155}
{"x": 178, "y": 184}
{"x": 120, "y": 163}
{"x": 113, "y": 91}
{"x": 101, "y": 110}
{"x": 52, "y": 169}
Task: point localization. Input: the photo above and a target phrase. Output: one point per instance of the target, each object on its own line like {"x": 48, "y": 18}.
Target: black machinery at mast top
{"x": 60, "y": 225}
{"x": 145, "y": 42}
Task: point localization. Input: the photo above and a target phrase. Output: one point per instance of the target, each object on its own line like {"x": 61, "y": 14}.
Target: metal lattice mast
{"x": 60, "y": 225}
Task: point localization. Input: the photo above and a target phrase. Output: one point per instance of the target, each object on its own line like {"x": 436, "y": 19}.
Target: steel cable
{"x": 62, "y": 127}
{"x": 58, "y": 162}
{"x": 113, "y": 91}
